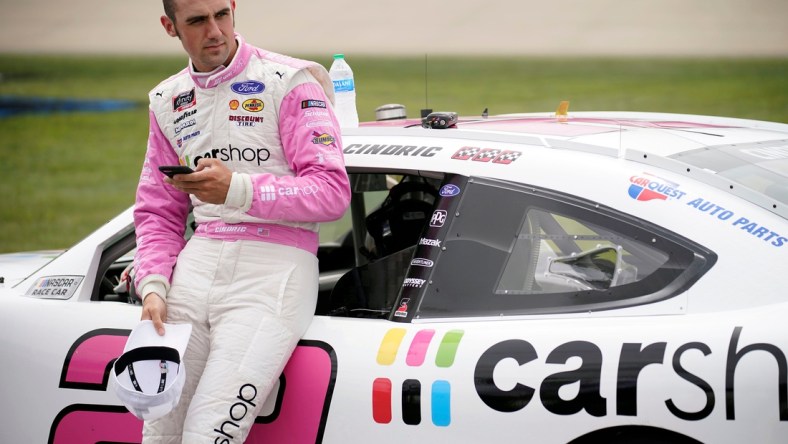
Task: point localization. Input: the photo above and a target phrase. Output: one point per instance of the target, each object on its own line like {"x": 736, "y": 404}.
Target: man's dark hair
{"x": 169, "y": 9}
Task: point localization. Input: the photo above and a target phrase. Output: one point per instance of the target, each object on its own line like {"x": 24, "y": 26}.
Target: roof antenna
{"x": 485, "y": 113}
{"x": 426, "y": 111}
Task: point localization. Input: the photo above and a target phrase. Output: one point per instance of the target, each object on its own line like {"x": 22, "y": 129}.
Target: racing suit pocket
{"x": 280, "y": 296}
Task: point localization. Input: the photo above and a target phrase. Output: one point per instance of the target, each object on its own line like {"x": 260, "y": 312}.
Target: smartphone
{"x": 171, "y": 170}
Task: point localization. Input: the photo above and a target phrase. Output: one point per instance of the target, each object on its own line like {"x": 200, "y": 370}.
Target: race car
{"x": 582, "y": 278}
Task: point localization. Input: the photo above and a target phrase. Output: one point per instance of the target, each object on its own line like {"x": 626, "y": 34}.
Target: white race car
{"x": 599, "y": 277}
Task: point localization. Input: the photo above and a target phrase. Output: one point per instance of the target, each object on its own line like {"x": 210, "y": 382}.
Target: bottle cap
{"x": 339, "y": 56}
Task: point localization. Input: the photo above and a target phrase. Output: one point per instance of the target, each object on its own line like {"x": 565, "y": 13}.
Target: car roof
{"x": 748, "y": 158}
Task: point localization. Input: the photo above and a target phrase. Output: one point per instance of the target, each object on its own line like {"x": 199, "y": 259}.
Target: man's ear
{"x": 169, "y": 26}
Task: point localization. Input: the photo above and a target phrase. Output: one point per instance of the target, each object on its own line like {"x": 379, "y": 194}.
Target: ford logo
{"x": 449, "y": 190}
{"x": 248, "y": 87}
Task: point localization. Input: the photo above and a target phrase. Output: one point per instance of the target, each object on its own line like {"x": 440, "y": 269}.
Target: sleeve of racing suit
{"x": 160, "y": 213}
{"x": 313, "y": 148}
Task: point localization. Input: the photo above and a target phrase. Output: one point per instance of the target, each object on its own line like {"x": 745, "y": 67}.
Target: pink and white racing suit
{"x": 247, "y": 279}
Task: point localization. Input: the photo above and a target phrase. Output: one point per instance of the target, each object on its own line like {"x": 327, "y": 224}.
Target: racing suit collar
{"x": 223, "y": 73}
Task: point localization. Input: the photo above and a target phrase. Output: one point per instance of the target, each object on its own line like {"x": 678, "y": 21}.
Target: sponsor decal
{"x": 85, "y": 368}
{"x": 323, "y": 139}
{"x": 745, "y": 224}
{"x": 245, "y": 120}
{"x": 412, "y": 402}
{"x": 504, "y": 157}
{"x": 315, "y": 113}
{"x": 253, "y": 105}
{"x": 236, "y": 412}
{"x": 438, "y": 218}
{"x": 314, "y": 123}
{"x": 421, "y": 262}
{"x": 313, "y": 104}
{"x": 632, "y": 360}
{"x": 392, "y": 150}
{"x": 449, "y": 190}
{"x": 187, "y": 137}
{"x": 55, "y": 287}
{"x": 184, "y": 100}
{"x": 647, "y": 187}
{"x": 413, "y": 283}
{"x": 430, "y": 242}
{"x": 267, "y": 193}
{"x": 231, "y": 154}
{"x": 248, "y": 87}
{"x": 234, "y": 104}
{"x": 298, "y": 191}
{"x": 183, "y": 116}
{"x": 183, "y": 125}
{"x": 402, "y": 310}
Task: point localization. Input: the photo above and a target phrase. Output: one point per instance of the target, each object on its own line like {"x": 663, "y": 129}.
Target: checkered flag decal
{"x": 492, "y": 155}
{"x": 507, "y": 157}
{"x": 486, "y": 155}
{"x": 465, "y": 153}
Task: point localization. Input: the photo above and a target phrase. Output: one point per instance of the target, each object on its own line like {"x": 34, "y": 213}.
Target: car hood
{"x": 14, "y": 267}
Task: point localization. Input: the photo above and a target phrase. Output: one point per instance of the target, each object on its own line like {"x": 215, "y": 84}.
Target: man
{"x": 259, "y": 132}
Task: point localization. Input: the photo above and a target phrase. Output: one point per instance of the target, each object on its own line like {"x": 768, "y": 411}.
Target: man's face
{"x": 206, "y": 30}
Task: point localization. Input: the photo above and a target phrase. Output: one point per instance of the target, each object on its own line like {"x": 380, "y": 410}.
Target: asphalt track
{"x": 415, "y": 27}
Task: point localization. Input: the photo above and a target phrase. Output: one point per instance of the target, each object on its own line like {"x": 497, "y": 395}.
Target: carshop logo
{"x": 230, "y": 154}
{"x": 416, "y": 356}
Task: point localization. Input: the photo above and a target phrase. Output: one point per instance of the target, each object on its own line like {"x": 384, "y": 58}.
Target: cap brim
{"x": 144, "y": 335}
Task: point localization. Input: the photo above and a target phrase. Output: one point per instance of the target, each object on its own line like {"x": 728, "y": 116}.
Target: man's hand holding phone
{"x": 209, "y": 182}
{"x": 171, "y": 170}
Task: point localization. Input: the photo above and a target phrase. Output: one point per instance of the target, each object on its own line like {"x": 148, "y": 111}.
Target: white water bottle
{"x": 344, "y": 92}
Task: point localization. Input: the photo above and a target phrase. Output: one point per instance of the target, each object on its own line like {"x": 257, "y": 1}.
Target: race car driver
{"x": 259, "y": 132}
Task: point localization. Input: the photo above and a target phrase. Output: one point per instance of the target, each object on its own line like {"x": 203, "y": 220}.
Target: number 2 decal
{"x": 299, "y": 413}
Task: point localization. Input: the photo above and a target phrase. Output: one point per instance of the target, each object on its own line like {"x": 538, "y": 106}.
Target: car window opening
{"x": 519, "y": 250}
{"x": 559, "y": 254}
{"x": 390, "y": 232}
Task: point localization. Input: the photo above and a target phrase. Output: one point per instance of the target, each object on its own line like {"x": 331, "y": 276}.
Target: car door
{"x": 524, "y": 312}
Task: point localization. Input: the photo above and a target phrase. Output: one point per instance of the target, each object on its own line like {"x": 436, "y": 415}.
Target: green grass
{"x": 63, "y": 175}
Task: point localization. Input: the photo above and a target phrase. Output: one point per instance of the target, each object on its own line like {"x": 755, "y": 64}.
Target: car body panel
{"x": 705, "y": 361}
{"x": 17, "y": 266}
